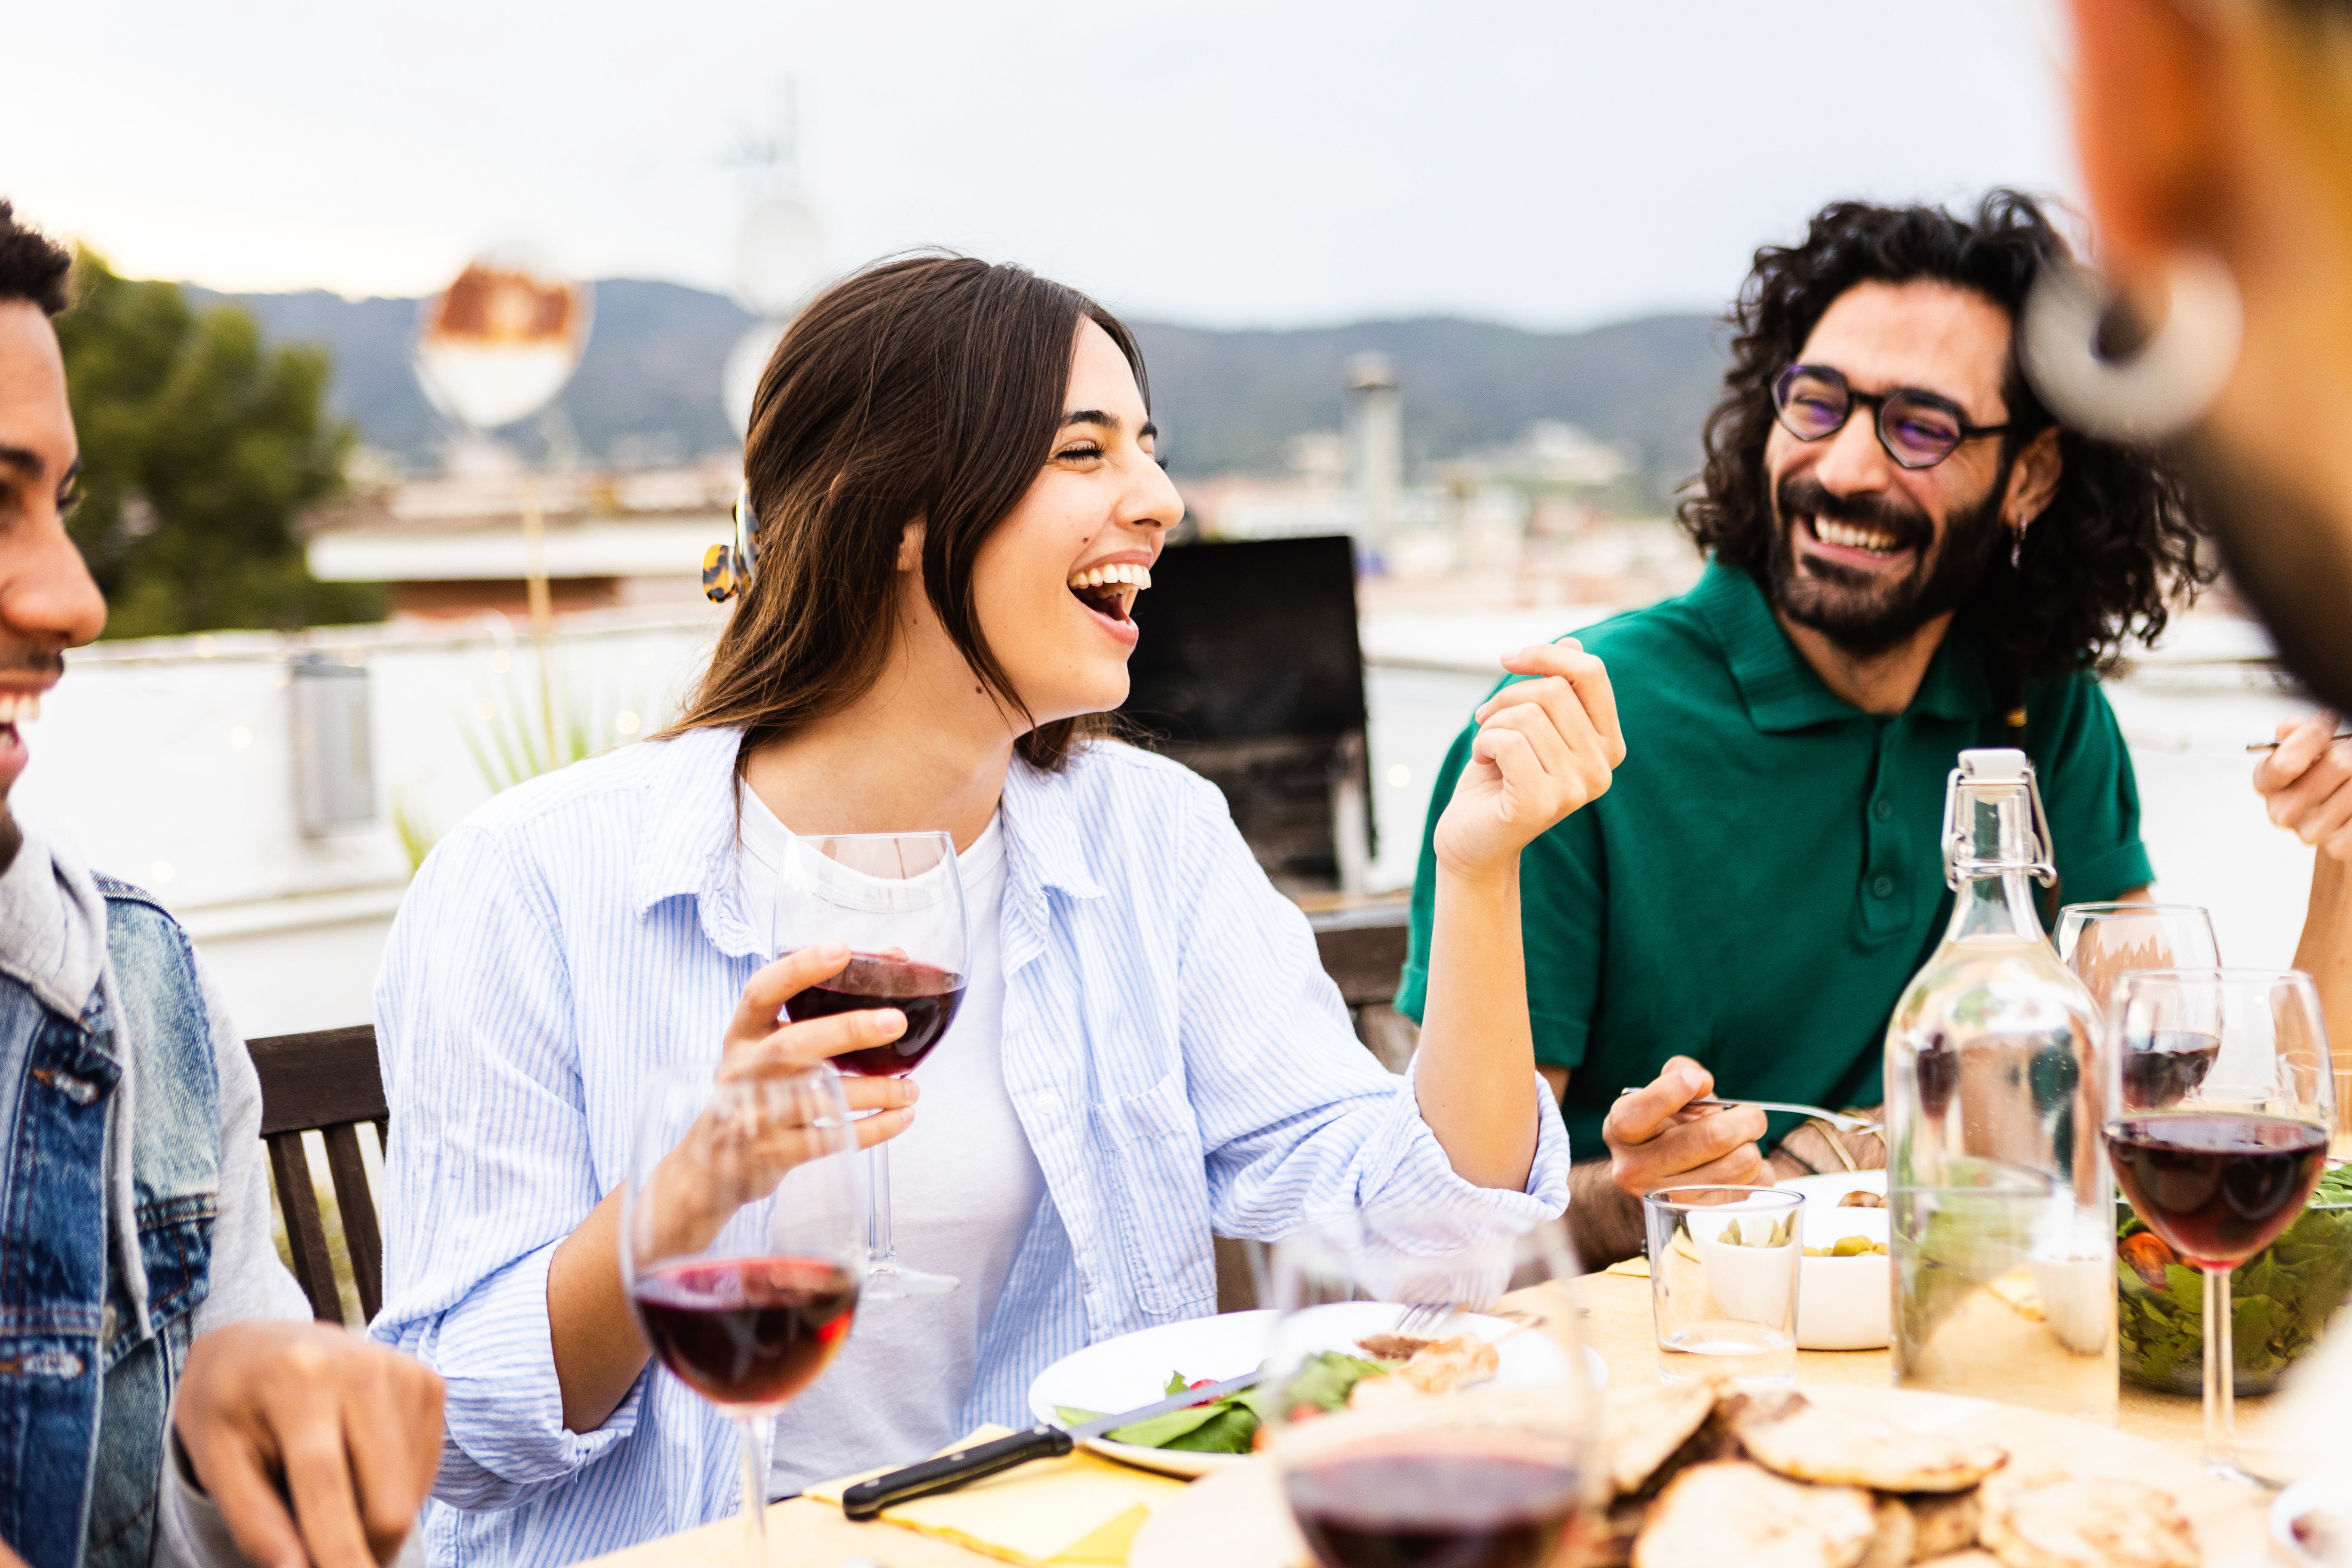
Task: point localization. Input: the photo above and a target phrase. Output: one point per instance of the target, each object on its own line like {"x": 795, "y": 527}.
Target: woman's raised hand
{"x": 742, "y": 1146}
{"x": 759, "y": 1040}
{"x": 1545, "y": 747}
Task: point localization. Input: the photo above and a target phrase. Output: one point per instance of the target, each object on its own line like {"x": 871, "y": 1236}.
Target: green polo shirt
{"x": 1763, "y": 877}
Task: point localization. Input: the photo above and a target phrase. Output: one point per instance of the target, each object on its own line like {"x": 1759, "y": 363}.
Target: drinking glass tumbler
{"x": 1724, "y": 1263}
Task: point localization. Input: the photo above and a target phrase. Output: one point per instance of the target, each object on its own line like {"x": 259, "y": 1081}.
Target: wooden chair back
{"x": 326, "y": 1082}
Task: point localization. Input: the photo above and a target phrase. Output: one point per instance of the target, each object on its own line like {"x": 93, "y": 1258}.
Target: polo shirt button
{"x": 1881, "y": 886}
{"x": 1049, "y": 1103}
{"x": 1883, "y": 809}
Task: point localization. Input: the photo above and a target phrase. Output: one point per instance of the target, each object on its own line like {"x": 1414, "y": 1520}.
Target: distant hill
{"x": 1230, "y": 401}
{"x": 649, "y": 380}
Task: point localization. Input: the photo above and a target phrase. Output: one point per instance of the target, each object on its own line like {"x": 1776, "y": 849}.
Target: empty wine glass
{"x": 742, "y": 1240}
{"x": 1499, "y": 1464}
{"x": 2220, "y": 1094}
{"x": 2102, "y": 942}
{"x": 896, "y": 899}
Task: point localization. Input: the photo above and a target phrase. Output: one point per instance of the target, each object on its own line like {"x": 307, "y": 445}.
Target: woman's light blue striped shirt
{"x": 1175, "y": 1053}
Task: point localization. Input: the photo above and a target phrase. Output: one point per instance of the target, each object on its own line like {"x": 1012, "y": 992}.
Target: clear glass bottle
{"x": 2003, "y": 1210}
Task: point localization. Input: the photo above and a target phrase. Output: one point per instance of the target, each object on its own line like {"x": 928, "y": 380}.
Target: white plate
{"x": 1132, "y": 1370}
{"x": 1842, "y": 1303}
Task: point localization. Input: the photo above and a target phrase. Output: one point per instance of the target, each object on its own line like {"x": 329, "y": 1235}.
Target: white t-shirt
{"x": 964, "y": 1185}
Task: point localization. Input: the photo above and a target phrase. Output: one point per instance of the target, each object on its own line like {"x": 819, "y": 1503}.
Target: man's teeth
{"x": 1847, "y": 536}
{"x": 1101, "y": 576}
{"x": 18, "y": 707}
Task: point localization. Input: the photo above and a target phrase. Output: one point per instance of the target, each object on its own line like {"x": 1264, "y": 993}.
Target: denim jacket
{"x": 89, "y": 1355}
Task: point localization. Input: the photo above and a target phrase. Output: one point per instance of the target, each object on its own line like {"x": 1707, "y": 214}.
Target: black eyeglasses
{"x": 1918, "y": 428}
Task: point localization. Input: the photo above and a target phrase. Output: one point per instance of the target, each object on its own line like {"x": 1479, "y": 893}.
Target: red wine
{"x": 1432, "y": 1508}
{"x": 749, "y": 1331}
{"x": 1937, "y": 1066}
{"x": 928, "y": 995}
{"x": 2161, "y": 1068}
{"x": 2219, "y": 1185}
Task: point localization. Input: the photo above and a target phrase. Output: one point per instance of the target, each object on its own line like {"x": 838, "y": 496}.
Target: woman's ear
{"x": 2145, "y": 103}
{"x": 910, "y": 546}
{"x": 2032, "y": 479}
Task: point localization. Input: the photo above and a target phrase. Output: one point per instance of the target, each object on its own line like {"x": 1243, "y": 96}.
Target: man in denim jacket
{"x": 164, "y": 1397}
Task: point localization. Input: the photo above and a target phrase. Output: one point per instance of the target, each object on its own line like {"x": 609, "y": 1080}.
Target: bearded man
{"x": 1908, "y": 557}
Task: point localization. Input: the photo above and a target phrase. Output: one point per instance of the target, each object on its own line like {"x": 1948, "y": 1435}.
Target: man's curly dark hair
{"x": 2118, "y": 538}
{"x": 32, "y": 265}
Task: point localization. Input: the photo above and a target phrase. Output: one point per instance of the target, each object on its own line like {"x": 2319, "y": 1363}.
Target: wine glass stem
{"x": 2221, "y": 1368}
{"x": 753, "y": 1429}
{"x": 880, "y": 1247}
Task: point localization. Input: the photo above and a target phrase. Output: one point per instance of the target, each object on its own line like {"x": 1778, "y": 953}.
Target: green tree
{"x": 199, "y": 445}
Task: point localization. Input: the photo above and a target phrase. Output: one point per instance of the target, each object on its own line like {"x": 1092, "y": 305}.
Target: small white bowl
{"x": 1844, "y": 1304}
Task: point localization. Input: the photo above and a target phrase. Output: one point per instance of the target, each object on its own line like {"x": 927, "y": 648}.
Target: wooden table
{"x": 803, "y": 1533}
{"x": 1617, "y": 1324}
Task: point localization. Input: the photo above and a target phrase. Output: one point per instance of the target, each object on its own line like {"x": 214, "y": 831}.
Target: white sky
{"x": 1551, "y": 163}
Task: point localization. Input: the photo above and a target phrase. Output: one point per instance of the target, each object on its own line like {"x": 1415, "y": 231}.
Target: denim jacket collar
{"x": 691, "y": 845}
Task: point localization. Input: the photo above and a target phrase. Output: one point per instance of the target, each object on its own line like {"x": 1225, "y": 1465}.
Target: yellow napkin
{"x": 1078, "y": 1511}
{"x": 1634, "y": 1267}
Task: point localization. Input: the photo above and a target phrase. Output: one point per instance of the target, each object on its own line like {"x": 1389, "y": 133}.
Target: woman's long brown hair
{"x": 931, "y": 388}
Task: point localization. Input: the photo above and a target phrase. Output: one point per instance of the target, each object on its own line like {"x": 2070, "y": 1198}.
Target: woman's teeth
{"x": 1096, "y": 576}
{"x": 1110, "y": 590}
{"x": 1848, "y": 537}
{"x": 17, "y": 706}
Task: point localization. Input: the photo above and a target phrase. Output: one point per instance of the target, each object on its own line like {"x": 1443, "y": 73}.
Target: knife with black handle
{"x": 952, "y": 1470}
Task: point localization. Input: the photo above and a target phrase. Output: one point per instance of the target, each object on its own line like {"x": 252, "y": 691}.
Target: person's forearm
{"x": 590, "y": 1331}
{"x": 1603, "y": 1219}
{"x": 1476, "y": 1068}
{"x": 2325, "y": 949}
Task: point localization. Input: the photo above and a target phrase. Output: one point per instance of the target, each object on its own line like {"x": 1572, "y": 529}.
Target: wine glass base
{"x": 893, "y": 1282}
{"x": 2232, "y": 1471}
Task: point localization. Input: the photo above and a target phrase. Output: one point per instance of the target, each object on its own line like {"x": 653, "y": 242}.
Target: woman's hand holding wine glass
{"x": 727, "y": 1160}
{"x": 759, "y": 1040}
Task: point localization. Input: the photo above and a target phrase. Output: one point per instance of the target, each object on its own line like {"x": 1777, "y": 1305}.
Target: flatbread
{"x": 1844, "y": 1448}
{"x": 2083, "y": 1521}
{"x": 1897, "y": 1537}
{"x": 1729, "y": 1511}
{"x": 1946, "y": 1522}
{"x": 1647, "y": 1425}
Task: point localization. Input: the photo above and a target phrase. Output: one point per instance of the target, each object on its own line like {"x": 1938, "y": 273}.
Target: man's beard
{"x": 1862, "y": 612}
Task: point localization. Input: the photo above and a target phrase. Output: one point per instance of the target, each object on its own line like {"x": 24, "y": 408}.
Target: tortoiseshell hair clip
{"x": 727, "y": 569}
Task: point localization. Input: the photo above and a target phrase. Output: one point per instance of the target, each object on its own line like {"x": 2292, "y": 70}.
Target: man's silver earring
{"x": 2017, "y": 547}
{"x": 2164, "y": 388}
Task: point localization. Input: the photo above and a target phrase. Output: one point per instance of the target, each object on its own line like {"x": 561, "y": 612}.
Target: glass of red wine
{"x": 1429, "y": 1396}
{"x": 742, "y": 1237}
{"x": 896, "y": 899}
{"x": 2220, "y": 1096}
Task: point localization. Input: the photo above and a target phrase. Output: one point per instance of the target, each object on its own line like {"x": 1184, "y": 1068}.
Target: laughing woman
{"x": 952, "y": 467}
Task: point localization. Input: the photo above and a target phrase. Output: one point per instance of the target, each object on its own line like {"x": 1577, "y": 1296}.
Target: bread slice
{"x": 1847, "y": 1448}
{"x": 2056, "y": 1521}
{"x": 1730, "y": 1512}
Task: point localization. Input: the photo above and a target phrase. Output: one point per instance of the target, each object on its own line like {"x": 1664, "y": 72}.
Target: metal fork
{"x": 1836, "y": 1119}
{"x": 1418, "y": 1319}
